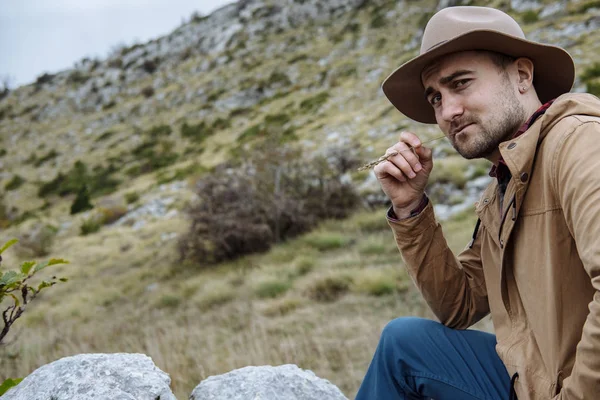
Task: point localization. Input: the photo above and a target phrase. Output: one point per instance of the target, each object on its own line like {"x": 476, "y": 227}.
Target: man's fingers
{"x": 388, "y": 168}
{"x": 407, "y": 160}
{"x": 410, "y": 138}
{"x": 425, "y": 154}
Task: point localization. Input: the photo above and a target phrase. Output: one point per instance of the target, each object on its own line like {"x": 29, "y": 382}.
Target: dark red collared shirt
{"x": 501, "y": 171}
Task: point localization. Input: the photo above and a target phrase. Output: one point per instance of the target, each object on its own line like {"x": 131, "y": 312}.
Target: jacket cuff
{"x": 410, "y": 227}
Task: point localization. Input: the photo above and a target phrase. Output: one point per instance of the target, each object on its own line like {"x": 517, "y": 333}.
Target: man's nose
{"x": 452, "y": 107}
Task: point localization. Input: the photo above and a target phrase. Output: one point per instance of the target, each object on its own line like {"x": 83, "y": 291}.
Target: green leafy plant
{"x": 7, "y": 384}
{"x": 16, "y": 287}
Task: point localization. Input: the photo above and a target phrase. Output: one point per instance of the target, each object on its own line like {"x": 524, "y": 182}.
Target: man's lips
{"x": 458, "y": 130}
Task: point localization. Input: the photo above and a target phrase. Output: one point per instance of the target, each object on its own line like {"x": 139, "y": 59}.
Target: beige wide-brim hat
{"x": 456, "y": 29}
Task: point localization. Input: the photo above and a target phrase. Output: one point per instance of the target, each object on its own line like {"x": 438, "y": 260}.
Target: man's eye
{"x": 460, "y": 83}
{"x": 436, "y": 98}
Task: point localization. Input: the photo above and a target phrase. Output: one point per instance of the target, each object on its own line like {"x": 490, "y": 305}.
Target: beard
{"x": 500, "y": 126}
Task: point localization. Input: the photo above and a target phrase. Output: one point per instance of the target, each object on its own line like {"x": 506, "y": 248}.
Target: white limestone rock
{"x": 95, "y": 377}
{"x": 284, "y": 382}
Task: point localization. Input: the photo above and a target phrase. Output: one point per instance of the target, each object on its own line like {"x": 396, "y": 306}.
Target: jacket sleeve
{"x": 454, "y": 287}
{"x": 577, "y": 181}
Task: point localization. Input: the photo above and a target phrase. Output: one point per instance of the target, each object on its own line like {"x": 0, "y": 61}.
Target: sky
{"x": 39, "y": 36}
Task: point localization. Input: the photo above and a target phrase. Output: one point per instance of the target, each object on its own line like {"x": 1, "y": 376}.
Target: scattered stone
{"x": 95, "y": 377}
{"x": 285, "y": 382}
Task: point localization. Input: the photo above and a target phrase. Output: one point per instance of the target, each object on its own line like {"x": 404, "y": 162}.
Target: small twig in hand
{"x": 394, "y": 153}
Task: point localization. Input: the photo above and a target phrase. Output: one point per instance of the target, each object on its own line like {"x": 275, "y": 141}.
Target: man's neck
{"x": 530, "y": 109}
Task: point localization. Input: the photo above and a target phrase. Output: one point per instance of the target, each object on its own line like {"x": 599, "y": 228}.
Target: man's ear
{"x": 525, "y": 70}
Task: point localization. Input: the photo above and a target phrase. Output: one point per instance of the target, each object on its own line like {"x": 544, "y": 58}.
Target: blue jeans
{"x": 418, "y": 359}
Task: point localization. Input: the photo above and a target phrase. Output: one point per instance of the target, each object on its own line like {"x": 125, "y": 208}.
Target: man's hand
{"x": 403, "y": 177}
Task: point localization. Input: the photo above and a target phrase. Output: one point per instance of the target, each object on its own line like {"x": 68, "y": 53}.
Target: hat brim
{"x": 554, "y": 70}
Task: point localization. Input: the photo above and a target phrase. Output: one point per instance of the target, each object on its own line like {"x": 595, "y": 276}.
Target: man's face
{"x": 475, "y": 102}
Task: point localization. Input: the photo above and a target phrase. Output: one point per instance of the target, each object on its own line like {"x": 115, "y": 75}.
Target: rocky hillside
{"x": 98, "y": 164}
{"x": 183, "y": 103}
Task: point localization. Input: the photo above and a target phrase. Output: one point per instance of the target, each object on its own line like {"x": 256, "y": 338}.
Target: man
{"x": 534, "y": 260}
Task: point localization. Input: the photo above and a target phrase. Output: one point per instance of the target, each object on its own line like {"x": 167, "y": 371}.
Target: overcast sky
{"x": 38, "y": 36}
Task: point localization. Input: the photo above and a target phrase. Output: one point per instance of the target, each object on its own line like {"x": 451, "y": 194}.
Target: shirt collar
{"x": 499, "y": 171}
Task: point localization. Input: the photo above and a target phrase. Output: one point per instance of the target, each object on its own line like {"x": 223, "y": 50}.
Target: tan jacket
{"x": 535, "y": 264}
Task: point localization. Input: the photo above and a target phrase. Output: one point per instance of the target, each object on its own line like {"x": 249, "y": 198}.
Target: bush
{"x": 272, "y": 126}
{"x": 329, "y": 288}
{"x": 99, "y": 181}
{"x": 82, "y": 201}
{"x": 15, "y": 284}
{"x": 150, "y": 66}
{"x": 148, "y": 91}
{"x": 14, "y": 183}
{"x": 312, "y": 104}
{"x": 131, "y": 197}
{"x": 197, "y": 132}
{"x": 272, "y": 288}
{"x": 273, "y": 196}
{"x": 160, "y": 130}
{"x": 530, "y": 16}
{"x": 77, "y": 78}
{"x": 90, "y": 225}
{"x": 375, "y": 283}
{"x": 104, "y": 136}
{"x": 591, "y": 73}
{"x": 594, "y": 88}
{"x": 52, "y": 154}
{"x": 324, "y": 241}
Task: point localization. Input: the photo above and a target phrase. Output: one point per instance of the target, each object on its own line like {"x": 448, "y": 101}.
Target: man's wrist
{"x": 412, "y": 210}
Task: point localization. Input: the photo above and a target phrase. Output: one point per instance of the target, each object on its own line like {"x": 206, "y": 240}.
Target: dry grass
{"x": 265, "y": 309}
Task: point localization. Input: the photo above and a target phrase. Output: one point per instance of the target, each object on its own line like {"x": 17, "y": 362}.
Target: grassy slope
{"x": 128, "y": 293}
{"x": 262, "y": 309}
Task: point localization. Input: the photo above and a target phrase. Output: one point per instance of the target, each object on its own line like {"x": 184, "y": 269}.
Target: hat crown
{"x": 451, "y": 22}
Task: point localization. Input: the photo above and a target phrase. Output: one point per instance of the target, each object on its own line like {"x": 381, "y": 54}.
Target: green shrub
{"x": 329, "y": 288}
{"x": 14, "y": 183}
{"x": 99, "y": 181}
{"x": 156, "y": 132}
{"x": 169, "y": 301}
{"x": 313, "y": 104}
{"x": 304, "y": 265}
{"x": 325, "y": 241}
{"x": 77, "y": 78}
{"x": 220, "y": 124}
{"x": 131, "y": 197}
{"x": 591, "y": 72}
{"x": 272, "y": 288}
{"x": 530, "y": 16}
{"x": 197, "y": 132}
{"x": 3, "y": 151}
{"x": 52, "y": 154}
{"x": 594, "y": 88}
{"x": 582, "y": 9}
{"x": 148, "y": 91}
{"x": 82, "y": 201}
{"x": 104, "y": 136}
{"x": 375, "y": 282}
{"x": 16, "y": 288}
{"x": 278, "y": 78}
{"x": 15, "y": 284}
{"x": 272, "y": 126}
{"x": 89, "y": 226}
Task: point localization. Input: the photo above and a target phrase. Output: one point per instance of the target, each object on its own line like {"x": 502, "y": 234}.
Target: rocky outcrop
{"x": 284, "y": 382}
{"x": 95, "y": 377}
{"x": 124, "y": 376}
